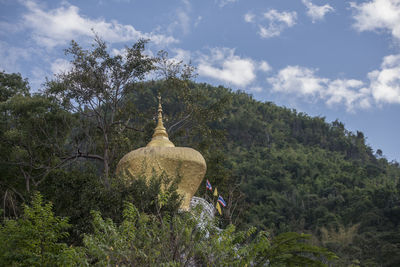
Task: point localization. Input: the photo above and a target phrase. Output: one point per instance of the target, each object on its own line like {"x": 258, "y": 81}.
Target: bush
{"x": 33, "y": 239}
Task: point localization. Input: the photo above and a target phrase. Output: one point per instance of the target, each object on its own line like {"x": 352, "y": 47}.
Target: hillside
{"x": 300, "y": 173}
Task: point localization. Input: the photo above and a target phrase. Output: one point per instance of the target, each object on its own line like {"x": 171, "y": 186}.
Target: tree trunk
{"x": 27, "y": 179}
{"x": 106, "y": 161}
{"x": 106, "y": 169}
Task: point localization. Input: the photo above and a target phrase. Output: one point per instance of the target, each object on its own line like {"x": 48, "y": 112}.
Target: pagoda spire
{"x": 160, "y": 136}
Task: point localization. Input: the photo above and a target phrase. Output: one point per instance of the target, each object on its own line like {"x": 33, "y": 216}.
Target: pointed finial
{"x": 160, "y": 119}
{"x": 160, "y": 136}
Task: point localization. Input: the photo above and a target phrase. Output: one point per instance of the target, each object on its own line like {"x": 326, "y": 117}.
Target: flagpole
{"x": 205, "y": 192}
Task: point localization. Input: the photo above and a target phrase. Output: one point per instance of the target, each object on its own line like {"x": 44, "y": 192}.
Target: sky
{"x": 333, "y": 59}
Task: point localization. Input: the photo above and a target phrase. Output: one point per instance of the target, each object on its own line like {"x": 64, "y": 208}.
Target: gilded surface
{"x": 161, "y": 155}
{"x": 183, "y": 161}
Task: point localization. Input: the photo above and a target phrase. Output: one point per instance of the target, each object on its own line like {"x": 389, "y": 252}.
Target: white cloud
{"x": 118, "y": 52}
{"x": 181, "y": 55}
{"x": 222, "y": 64}
{"x": 350, "y": 92}
{"x": 264, "y": 66}
{"x": 223, "y": 3}
{"x": 183, "y": 20}
{"x": 287, "y": 18}
{"x": 383, "y": 86}
{"x": 378, "y": 15}
{"x": 11, "y": 57}
{"x": 249, "y": 17}
{"x": 302, "y": 81}
{"x": 385, "y": 83}
{"x": 59, "y": 26}
{"x": 60, "y": 65}
{"x": 299, "y": 80}
{"x": 317, "y": 12}
{"x": 273, "y": 22}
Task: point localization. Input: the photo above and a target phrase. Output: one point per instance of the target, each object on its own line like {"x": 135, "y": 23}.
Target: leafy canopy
{"x": 34, "y": 239}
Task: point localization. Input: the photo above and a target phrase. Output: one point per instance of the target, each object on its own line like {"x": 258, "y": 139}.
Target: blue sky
{"x": 336, "y": 59}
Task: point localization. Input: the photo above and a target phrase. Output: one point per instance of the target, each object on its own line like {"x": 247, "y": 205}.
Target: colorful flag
{"x": 222, "y": 201}
{"x": 218, "y": 208}
{"x": 215, "y": 192}
{"x": 208, "y": 185}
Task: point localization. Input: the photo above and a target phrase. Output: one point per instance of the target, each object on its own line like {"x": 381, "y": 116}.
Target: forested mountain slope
{"x": 300, "y": 173}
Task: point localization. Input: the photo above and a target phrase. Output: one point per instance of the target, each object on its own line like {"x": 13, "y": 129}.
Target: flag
{"x": 215, "y": 192}
{"x": 208, "y": 185}
{"x": 222, "y": 201}
{"x": 218, "y": 208}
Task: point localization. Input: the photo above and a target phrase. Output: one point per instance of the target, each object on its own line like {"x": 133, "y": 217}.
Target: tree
{"x": 184, "y": 240}
{"x": 33, "y": 240}
{"x": 33, "y": 134}
{"x": 95, "y": 87}
{"x": 12, "y": 84}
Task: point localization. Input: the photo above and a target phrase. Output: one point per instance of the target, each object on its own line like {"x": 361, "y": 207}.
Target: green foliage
{"x": 75, "y": 193}
{"x": 33, "y": 134}
{"x": 33, "y": 240}
{"x": 78, "y": 191}
{"x": 95, "y": 88}
{"x": 287, "y": 249}
{"x": 12, "y": 84}
{"x": 141, "y": 240}
{"x": 146, "y": 240}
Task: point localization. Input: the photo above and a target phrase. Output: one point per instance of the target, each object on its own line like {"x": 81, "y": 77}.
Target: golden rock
{"x": 161, "y": 155}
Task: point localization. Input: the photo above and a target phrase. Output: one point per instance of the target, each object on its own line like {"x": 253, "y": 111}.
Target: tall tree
{"x": 12, "y": 84}
{"x": 95, "y": 87}
{"x": 33, "y": 131}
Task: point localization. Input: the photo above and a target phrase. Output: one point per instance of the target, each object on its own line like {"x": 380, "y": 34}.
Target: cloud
{"x": 377, "y": 15}
{"x": 272, "y": 23}
{"x": 11, "y": 57}
{"x": 222, "y": 3}
{"x": 317, "y": 12}
{"x": 299, "y": 80}
{"x": 302, "y": 81}
{"x": 385, "y": 83}
{"x": 383, "y": 86}
{"x": 222, "y": 64}
{"x": 287, "y": 18}
{"x": 181, "y": 55}
{"x": 264, "y": 66}
{"x": 348, "y": 91}
{"x": 118, "y": 52}
{"x": 59, "y": 26}
{"x": 249, "y": 17}
{"x": 183, "y": 20}
{"x": 60, "y": 65}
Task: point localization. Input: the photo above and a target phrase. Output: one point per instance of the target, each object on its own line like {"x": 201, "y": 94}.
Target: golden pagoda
{"x": 161, "y": 156}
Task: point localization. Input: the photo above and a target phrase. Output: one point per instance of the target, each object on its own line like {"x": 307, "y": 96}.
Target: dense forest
{"x": 296, "y": 187}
